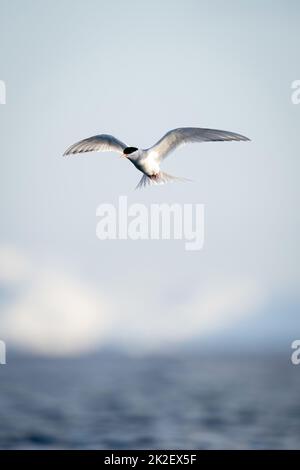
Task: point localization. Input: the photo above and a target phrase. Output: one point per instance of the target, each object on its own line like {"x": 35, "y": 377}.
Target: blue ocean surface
{"x": 114, "y": 401}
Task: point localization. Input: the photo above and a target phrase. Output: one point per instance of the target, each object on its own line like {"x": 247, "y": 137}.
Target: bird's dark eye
{"x": 129, "y": 150}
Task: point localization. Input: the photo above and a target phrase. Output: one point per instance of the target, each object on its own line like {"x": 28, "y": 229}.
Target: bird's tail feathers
{"x": 160, "y": 178}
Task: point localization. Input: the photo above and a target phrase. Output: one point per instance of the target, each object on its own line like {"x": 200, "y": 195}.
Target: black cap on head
{"x": 129, "y": 150}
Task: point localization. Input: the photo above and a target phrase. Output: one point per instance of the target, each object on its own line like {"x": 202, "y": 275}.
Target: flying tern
{"x": 148, "y": 160}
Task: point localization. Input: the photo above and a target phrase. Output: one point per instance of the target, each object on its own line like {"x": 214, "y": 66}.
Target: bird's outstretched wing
{"x": 97, "y": 143}
{"x": 184, "y": 135}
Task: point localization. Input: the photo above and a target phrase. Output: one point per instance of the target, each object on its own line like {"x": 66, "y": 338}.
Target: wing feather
{"x": 97, "y": 143}
{"x": 184, "y": 135}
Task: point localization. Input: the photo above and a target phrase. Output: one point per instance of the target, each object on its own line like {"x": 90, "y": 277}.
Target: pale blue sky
{"x": 136, "y": 69}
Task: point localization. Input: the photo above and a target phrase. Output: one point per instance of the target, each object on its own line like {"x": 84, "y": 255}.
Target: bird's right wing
{"x": 184, "y": 135}
{"x": 97, "y": 143}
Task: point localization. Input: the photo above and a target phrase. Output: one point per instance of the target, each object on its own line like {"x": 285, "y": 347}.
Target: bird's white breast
{"x": 146, "y": 162}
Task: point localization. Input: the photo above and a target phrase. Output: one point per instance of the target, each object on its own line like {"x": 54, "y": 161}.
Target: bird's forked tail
{"x": 160, "y": 178}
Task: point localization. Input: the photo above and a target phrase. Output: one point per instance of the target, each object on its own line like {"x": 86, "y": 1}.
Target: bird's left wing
{"x": 184, "y": 135}
{"x": 97, "y": 143}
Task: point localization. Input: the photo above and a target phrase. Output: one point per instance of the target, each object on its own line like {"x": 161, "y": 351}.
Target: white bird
{"x": 148, "y": 160}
